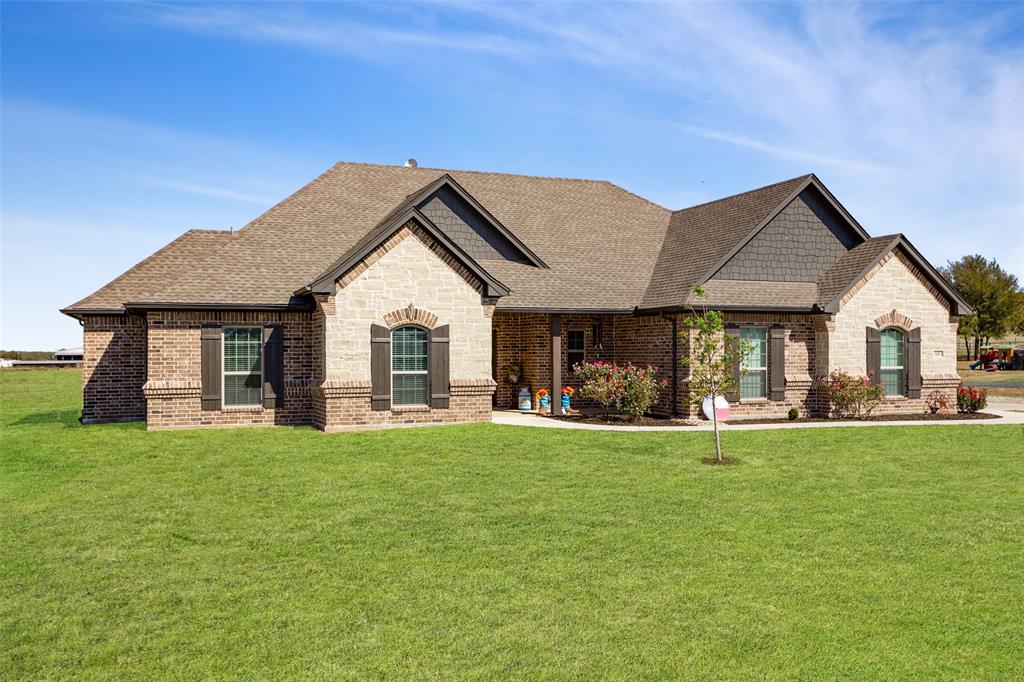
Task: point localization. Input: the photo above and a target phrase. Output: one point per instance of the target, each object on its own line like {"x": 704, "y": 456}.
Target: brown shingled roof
{"x": 605, "y": 248}
{"x": 746, "y": 294}
{"x": 599, "y": 241}
{"x": 169, "y": 262}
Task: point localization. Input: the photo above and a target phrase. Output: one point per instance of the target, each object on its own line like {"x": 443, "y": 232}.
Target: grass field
{"x": 497, "y": 552}
{"x": 979, "y": 375}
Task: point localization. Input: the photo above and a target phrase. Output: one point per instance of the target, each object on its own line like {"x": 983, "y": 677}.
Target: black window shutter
{"x": 273, "y": 365}
{"x": 211, "y": 339}
{"x": 777, "y": 362}
{"x": 732, "y": 340}
{"x": 439, "y": 363}
{"x": 914, "y": 363}
{"x": 874, "y": 356}
{"x": 380, "y": 368}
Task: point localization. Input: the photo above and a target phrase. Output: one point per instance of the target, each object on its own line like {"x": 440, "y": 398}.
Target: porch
{"x": 547, "y": 345}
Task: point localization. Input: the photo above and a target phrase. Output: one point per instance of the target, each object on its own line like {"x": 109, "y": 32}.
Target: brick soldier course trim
{"x": 502, "y": 270}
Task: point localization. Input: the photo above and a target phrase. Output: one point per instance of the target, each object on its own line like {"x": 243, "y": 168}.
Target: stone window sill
{"x": 242, "y": 408}
{"x": 402, "y": 409}
{"x": 894, "y": 398}
{"x": 754, "y": 401}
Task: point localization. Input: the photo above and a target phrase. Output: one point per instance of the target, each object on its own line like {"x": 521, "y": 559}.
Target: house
{"x": 393, "y": 295}
{"x": 69, "y": 355}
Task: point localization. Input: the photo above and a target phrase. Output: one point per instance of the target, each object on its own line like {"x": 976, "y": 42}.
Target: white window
{"x": 891, "y": 351}
{"x": 754, "y": 363}
{"x": 243, "y": 367}
{"x": 409, "y": 366}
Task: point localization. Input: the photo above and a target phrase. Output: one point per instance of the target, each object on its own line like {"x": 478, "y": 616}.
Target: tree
{"x": 711, "y": 360}
{"x": 994, "y": 294}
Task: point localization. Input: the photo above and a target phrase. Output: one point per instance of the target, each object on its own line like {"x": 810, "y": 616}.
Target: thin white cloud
{"x": 781, "y": 151}
{"x": 295, "y": 27}
{"x": 210, "y": 191}
{"x": 914, "y": 110}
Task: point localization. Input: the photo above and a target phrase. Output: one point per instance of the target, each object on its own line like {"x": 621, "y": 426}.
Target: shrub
{"x": 971, "y": 399}
{"x": 793, "y": 413}
{"x": 629, "y": 388}
{"x": 851, "y": 396}
{"x": 596, "y": 383}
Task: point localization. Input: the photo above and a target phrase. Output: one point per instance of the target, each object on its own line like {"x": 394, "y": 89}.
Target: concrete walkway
{"x": 1009, "y": 413}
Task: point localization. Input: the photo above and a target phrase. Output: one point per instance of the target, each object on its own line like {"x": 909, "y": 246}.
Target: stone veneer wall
{"x": 173, "y": 390}
{"x": 895, "y": 293}
{"x": 408, "y": 278}
{"x": 113, "y": 368}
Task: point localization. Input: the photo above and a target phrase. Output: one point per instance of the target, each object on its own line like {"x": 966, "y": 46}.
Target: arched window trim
{"x": 407, "y": 391}
{"x": 892, "y": 365}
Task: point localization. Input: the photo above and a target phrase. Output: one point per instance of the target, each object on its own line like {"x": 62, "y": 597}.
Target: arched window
{"x": 891, "y": 352}
{"x": 409, "y": 366}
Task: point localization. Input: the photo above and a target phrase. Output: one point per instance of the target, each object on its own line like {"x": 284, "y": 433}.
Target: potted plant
{"x": 515, "y": 371}
{"x": 543, "y": 401}
{"x": 567, "y": 392}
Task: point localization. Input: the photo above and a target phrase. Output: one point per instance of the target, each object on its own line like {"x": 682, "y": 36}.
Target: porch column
{"x": 556, "y": 364}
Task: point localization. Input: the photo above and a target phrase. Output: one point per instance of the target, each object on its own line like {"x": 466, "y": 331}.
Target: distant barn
{"x": 69, "y": 355}
{"x": 65, "y": 357}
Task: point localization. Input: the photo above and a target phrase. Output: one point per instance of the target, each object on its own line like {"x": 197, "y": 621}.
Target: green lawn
{"x": 495, "y": 552}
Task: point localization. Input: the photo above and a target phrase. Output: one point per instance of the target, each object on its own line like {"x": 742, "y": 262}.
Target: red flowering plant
{"x": 851, "y": 396}
{"x": 542, "y": 393}
{"x": 970, "y": 399}
{"x": 628, "y": 388}
{"x": 568, "y": 390}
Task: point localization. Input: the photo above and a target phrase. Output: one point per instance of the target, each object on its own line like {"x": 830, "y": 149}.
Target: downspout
{"x": 675, "y": 363}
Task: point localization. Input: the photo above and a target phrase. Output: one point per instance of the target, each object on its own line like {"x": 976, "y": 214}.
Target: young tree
{"x": 711, "y": 360}
{"x": 994, "y": 294}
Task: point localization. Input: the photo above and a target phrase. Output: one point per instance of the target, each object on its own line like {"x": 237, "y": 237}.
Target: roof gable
{"x": 465, "y": 220}
{"x": 325, "y": 282}
{"x": 859, "y": 262}
{"x": 468, "y": 228}
{"x": 799, "y": 244}
{"x": 808, "y": 182}
{"x": 702, "y": 236}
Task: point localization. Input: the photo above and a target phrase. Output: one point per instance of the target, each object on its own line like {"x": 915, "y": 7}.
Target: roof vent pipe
{"x": 411, "y": 163}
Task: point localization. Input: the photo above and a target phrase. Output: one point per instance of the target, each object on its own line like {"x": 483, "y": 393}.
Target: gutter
{"x": 815, "y": 309}
{"x": 675, "y": 362}
{"x": 267, "y": 307}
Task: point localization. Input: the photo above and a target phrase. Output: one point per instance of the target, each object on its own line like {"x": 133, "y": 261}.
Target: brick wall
{"x": 647, "y": 340}
{"x": 345, "y": 405}
{"x": 113, "y": 368}
{"x": 800, "y": 357}
{"x": 525, "y": 339}
{"x": 173, "y": 389}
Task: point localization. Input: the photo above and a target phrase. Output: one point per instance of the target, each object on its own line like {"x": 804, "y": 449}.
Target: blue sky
{"x": 126, "y": 124}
